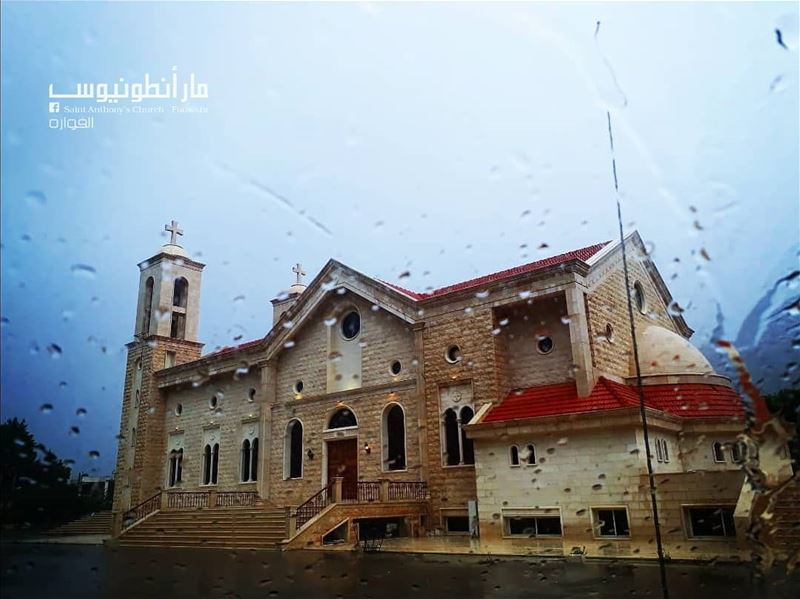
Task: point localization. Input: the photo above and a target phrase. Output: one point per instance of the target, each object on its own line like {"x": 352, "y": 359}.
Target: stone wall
{"x": 607, "y": 304}
{"x": 524, "y": 365}
{"x": 578, "y": 471}
{"x": 235, "y": 414}
{"x": 452, "y": 486}
{"x": 368, "y": 405}
{"x": 136, "y": 483}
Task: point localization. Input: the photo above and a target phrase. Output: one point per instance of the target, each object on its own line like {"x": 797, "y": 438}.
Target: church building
{"x": 502, "y": 412}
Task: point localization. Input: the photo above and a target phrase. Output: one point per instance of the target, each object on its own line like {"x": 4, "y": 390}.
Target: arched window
{"x": 133, "y": 437}
{"x": 659, "y": 454}
{"x": 467, "y": 446}
{"x": 665, "y": 450}
{"x": 179, "y": 466}
{"x": 207, "y": 464}
{"x": 180, "y": 292}
{"x": 214, "y": 463}
{"x": 513, "y": 455}
{"x": 451, "y": 438}
{"x": 718, "y": 451}
{"x": 254, "y": 460}
{"x": 173, "y": 465}
{"x": 529, "y": 454}
{"x": 342, "y": 418}
{"x": 394, "y": 431}
{"x": 147, "y": 306}
{"x": 246, "y": 460}
{"x": 293, "y": 450}
{"x": 738, "y": 449}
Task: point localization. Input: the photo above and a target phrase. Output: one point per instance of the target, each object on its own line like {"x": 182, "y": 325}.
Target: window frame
{"x": 594, "y": 516}
{"x": 554, "y": 512}
{"x": 687, "y": 521}
{"x": 287, "y": 449}
{"x": 385, "y": 438}
{"x": 714, "y": 456}
{"x": 346, "y": 313}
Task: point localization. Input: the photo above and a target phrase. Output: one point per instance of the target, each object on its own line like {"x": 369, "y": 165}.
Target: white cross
{"x": 298, "y": 270}
{"x": 174, "y": 231}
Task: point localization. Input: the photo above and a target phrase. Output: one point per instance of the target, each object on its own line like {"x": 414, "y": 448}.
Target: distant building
{"x": 516, "y": 390}
{"x": 100, "y": 487}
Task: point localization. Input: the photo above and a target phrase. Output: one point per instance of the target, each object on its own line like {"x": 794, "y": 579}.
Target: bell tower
{"x": 165, "y": 335}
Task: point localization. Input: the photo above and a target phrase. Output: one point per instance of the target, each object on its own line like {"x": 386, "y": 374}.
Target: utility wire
{"x": 659, "y": 546}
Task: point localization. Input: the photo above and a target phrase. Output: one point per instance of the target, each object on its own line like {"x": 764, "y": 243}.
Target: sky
{"x": 446, "y": 140}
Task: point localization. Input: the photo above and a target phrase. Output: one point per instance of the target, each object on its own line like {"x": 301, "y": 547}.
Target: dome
{"x": 174, "y": 250}
{"x": 662, "y": 352}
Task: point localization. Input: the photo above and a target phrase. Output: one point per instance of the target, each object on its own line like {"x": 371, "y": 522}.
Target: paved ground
{"x": 97, "y": 571}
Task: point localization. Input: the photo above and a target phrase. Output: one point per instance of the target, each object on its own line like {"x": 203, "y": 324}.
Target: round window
{"x": 609, "y": 332}
{"x": 453, "y": 354}
{"x": 212, "y": 403}
{"x": 545, "y": 345}
{"x": 179, "y": 409}
{"x": 396, "y": 367}
{"x": 298, "y": 387}
{"x": 639, "y": 297}
{"x": 351, "y": 325}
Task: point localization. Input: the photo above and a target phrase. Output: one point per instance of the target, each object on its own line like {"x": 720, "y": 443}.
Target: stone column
{"x": 422, "y": 412}
{"x": 579, "y": 339}
{"x": 266, "y": 402}
{"x": 337, "y": 489}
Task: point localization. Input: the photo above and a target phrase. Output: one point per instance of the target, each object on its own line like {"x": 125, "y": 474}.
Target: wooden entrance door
{"x": 343, "y": 461}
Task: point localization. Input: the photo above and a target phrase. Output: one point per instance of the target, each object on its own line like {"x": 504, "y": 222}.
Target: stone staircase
{"x": 257, "y": 527}
{"x": 787, "y": 519}
{"x": 97, "y": 523}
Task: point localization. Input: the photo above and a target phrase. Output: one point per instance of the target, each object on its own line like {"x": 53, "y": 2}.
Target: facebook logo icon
{"x": 55, "y": 107}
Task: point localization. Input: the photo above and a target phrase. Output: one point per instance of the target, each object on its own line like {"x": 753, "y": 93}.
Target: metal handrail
{"x": 314, "y": 505}
{"x": 145, "y": 508}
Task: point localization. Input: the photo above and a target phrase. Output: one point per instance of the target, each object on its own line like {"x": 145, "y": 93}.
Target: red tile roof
{"x": 689, "y": 400}
{"x": 227, "y": 350}
{"x": 582, "y": 254}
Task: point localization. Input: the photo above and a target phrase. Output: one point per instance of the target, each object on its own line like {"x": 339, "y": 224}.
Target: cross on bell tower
{"x": 173, "y": 231}
{"x": 298, "y": 270}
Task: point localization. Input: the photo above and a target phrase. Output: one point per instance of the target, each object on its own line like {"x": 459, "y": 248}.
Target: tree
{"x": 34, "y": 484}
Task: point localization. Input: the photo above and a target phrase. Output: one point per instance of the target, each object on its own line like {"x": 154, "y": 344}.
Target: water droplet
{"x": 46, "y": 408}
{"x": 83, "y": 270}
{"x": 35, "y": 198}
{"x": 238, "y": 299}
{"x": 54, "y": 350}
{"x": 74, "y": 431}
{"x": 94, "y": 454}
{"x": 80, "y": 412}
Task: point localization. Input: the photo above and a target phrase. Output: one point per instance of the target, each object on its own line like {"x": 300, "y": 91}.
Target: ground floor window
{"x": 457, "y": 524}
{"x": 611, "y": 522}
{"x": 710, "y": 521}
{"x": 532, "y": 525}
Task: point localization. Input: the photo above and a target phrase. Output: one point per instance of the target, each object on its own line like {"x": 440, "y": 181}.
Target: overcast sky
{"x": 446, "y": 140}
